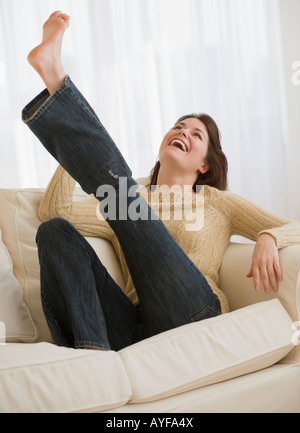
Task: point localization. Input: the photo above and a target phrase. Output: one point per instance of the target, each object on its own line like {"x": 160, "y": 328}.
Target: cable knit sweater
{"x": 225, "y": 214}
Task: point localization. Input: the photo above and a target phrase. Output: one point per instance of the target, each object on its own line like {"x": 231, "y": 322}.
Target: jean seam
{"x": 82, "y": 103}
{"x": 49, "y": 101}
{"x": 50, "y": 313}
{"x": 87, "y": 343}
{"x": 208, "y": 309}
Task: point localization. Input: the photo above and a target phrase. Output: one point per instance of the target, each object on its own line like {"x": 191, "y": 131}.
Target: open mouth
{"x": 180, "y": 145}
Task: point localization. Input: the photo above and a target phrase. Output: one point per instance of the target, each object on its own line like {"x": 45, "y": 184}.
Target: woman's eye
{"x": 197, "y": 135}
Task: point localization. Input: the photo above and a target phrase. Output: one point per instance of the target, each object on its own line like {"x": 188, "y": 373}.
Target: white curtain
{"x": 144, "y": 63}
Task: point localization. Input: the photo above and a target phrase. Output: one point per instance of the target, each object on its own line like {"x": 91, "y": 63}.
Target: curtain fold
{"x": 144, "y": 63}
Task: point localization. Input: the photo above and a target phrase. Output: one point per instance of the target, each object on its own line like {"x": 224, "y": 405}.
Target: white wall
{"x": 290, "y": 24}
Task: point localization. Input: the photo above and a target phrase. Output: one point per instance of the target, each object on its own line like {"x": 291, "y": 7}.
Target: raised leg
{"x": 171, "y": 290}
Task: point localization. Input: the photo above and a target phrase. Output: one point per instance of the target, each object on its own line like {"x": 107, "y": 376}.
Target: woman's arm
{"x": 265, "y": 263}
{"x": 251, "y": 221}
{"x": 57, "y": 202}
{"x": 270, "y": 232}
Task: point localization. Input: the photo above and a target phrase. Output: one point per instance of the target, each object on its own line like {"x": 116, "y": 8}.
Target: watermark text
{"x": 168, "y": 203}
{"x": 296, "y": 334}
{"x": 2, "y": 334}
{"x": 296, "y": 73}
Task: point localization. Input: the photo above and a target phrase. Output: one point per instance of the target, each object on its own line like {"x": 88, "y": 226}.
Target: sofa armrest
{"x": 240, "y": 290}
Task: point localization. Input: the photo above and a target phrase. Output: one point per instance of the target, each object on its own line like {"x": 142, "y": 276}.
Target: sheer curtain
{"x": 144, "y": 63}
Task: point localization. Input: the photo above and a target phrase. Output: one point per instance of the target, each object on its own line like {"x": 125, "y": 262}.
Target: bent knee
{"x": 50, "y": 229}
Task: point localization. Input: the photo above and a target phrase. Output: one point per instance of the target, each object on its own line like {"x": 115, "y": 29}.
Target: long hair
{"x": 216, "y": 160}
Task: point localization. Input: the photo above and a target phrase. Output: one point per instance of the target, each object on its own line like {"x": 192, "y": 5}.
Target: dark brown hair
{"x": 216, "y": 160}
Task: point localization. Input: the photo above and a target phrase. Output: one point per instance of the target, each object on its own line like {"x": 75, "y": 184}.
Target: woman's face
{"x": 185, "y": 147}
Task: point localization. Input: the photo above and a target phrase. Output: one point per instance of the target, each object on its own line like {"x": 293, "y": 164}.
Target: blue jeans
{"x": 84, "y": 307}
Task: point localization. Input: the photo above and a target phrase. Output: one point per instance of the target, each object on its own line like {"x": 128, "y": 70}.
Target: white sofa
{"x": 244, "y": 361}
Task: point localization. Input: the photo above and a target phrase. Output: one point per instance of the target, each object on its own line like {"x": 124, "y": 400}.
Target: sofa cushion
{"x": 208, "y": 352}
{"x": 19, "y": 222}
{"x": 16, "y": 321}
{"x": 42, "y": 377}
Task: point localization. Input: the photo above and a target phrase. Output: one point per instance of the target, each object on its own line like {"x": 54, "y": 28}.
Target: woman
{"x": 171, "y": 272}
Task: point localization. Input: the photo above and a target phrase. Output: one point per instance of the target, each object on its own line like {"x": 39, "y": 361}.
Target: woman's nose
{"x": 184, "y": 132}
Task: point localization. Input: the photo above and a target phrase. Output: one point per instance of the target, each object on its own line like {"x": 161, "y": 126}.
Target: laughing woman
{"x": 171, "y": 272}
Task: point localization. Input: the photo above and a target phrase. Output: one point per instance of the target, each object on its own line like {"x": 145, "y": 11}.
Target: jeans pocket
{"x": 207, "y": 313}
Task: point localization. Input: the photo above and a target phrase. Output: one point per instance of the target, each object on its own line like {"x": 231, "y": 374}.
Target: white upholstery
{"x": 164, "y": 370}
{"x": 207, "y": 352}
{"x": 239, "y": 289}
{"x": 16, "y": 322}
{"x": 19, "y": 223}
{"x": 44, "y": 378}
{"x": 274, "y": 389}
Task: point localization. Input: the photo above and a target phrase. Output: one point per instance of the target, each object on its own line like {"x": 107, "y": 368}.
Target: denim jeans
{"x": 84, "y": 307}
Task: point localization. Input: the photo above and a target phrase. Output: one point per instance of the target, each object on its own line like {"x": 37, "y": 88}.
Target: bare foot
{"x": 46, "y": 57}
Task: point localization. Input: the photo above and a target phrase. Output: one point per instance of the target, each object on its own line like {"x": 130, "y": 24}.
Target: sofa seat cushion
{"x": 42, "y": 377}
{"x": 208, "y": 352}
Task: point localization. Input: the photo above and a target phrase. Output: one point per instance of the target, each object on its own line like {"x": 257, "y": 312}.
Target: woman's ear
{"x": 204, "y": 168}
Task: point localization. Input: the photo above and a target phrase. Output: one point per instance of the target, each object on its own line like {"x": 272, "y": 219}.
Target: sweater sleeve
{"x": 57, "y": 202}
{"x": 250, "y": 220}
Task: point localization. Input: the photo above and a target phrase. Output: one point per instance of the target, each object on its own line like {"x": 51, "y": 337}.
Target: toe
{"x": 56, "y": 14}
{"x": 65, "y": 17}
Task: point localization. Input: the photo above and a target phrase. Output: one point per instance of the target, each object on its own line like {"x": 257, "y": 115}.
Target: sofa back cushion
{"x": 19, "y": 223}
{"x": 15, "y": 320}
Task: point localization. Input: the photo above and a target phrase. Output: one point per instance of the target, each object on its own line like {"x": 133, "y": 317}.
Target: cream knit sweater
{"x": 225, "y": 214}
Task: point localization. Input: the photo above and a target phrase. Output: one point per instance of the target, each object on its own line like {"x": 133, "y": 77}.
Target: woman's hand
{"x": 265, "y": 263}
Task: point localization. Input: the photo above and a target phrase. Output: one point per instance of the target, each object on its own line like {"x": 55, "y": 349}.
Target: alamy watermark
{"x": 296, "y": 335}
{"x": 2, "y": 334}
{"x": 179, "y": 204}
{"x": 296, "y": 73}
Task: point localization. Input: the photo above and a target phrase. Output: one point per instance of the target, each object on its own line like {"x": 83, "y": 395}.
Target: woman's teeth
{"x": 180, "y": 144}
